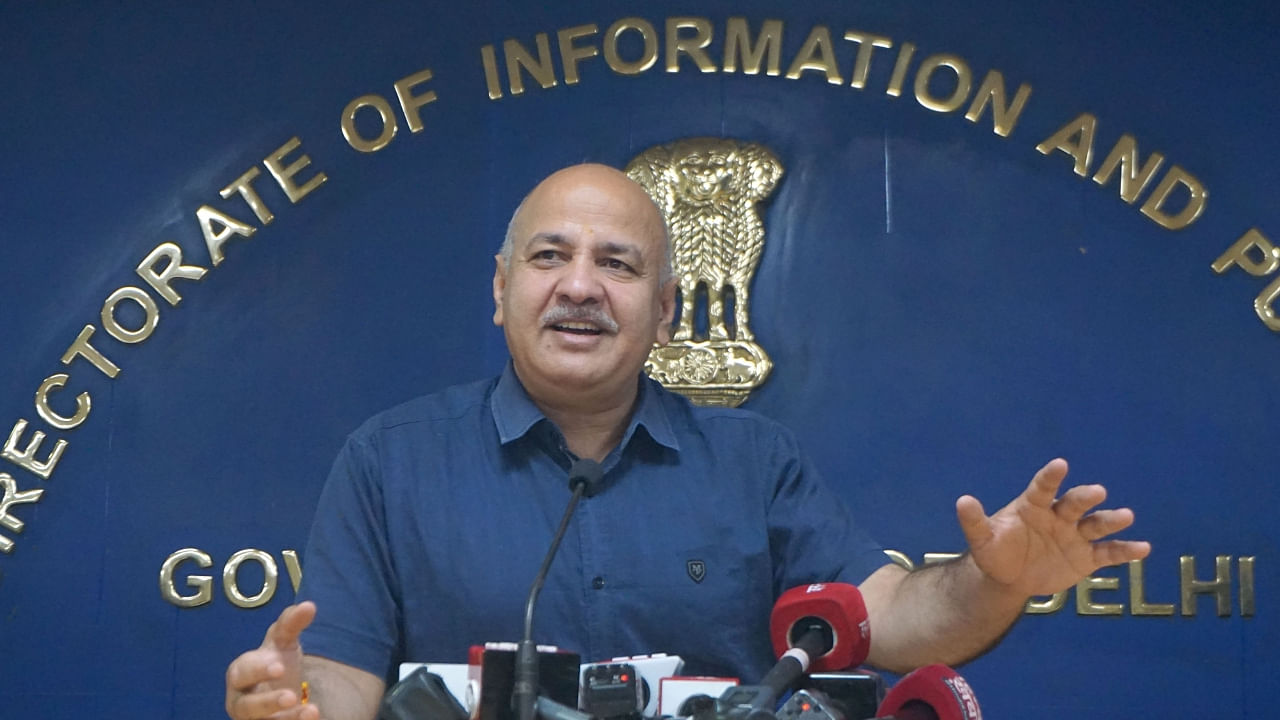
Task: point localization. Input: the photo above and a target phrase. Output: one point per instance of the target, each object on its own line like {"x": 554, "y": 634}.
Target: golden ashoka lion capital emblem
{"x": 708, "y": 189}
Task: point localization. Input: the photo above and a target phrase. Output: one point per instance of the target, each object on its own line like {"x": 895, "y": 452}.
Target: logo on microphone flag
{"x": 964, "y": 697}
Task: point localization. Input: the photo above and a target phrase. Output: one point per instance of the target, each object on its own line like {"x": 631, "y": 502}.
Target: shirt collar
{"x": 514, "y": 413}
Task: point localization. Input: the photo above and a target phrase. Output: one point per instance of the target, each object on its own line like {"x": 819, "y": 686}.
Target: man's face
{"x": 581, "y": 303}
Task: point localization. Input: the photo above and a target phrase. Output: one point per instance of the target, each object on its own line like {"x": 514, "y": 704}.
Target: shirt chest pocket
{"x": 690, "y": 599}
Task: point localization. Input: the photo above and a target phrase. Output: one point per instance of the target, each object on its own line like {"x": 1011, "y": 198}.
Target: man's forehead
{"x": 591, "y": 202}
{"x": 578, "y": 217}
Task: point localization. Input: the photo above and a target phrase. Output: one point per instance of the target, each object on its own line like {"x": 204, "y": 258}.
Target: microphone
{"x": 585, "y": 477}
{"x": 420, "y": 695}
{"x": 821, "y": 625}
{"x": 834, "y": 610}
{"x": 934, "y": 692}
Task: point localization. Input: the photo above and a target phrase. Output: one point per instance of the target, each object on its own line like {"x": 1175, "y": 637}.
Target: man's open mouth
{"x": 577, "y": 328}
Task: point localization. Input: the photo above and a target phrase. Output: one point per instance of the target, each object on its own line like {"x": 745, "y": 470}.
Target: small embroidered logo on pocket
{"x": 697, "y": 570}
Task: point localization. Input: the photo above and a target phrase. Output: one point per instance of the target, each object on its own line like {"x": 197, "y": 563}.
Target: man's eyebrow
{"x": 548, "y": 237}
{"x": 609, "y": 247}
{"x": 616, "y": 248}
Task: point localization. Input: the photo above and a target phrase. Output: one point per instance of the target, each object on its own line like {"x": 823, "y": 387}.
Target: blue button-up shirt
{"x": 438, "y": 513}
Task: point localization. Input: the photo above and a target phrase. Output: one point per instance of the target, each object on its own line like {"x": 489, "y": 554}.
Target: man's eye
{"x": 616, "y": 264}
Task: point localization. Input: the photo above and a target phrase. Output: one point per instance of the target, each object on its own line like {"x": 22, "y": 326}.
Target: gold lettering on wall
{"x": 648, "y": 55}
{"x": 1134, "y": 176}
{"x": 181, "y": 561}
{"x": 214, "y": 238}
{"x": 1219, "y": 587}
{"x": 900, "y": 66}
{"x": 960, "y": 91}
{"x": 83, "y": 404}
{"x": 1076, "y": 140}
{"x": 689, "y": 42}
{"x": 294, "y": 568}
{"x": 766, "y": 51}
{"x": 492, "y": 82}
{"x": 1049, "y": 604}
{"x": 867, "y": 43}
{"x": 112, "y": 325}
{"x": 1004, "y": 116}
{"x": 942, "y": 83}
{"x": 1255, "y": 254}
{"x": 230, "y": 578}
{"x": 194, "y": 589}
{"x": 1174, "y": 180}
{"x": 410, "y": 104}
{"x": 571, "y": 54}
{"x": 283, "y": 171}
{"x": 1247, "y": 603}
{"x": 10, "y": 495}
{"x": 26, "y": 457}
{"x": 818, "y": 55}
{"x": 172, "y": 254}
{"x": 202, "y": 584}
{"x": 693, "y": 46}
{"x": 520, "y": 60}
{"x": 81, "y": 347}
{"x": 1086, "y": 605}
{"x": 937, "y": 558}
{"x": 901, "y": 559}
{"x": 1092, "y": 598}
{"x": 1138, "y": 604}
{"x": 244, "y": 186}
{"x": 1265, "y": 305}
{"x": 159, "y": 269}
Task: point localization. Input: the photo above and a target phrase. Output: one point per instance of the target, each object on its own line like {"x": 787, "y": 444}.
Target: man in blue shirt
{"x": 438, "y": 511}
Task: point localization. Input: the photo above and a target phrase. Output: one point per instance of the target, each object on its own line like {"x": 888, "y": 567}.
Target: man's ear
{"x": 499, "y": 286}
{"x": 667, "y": 314}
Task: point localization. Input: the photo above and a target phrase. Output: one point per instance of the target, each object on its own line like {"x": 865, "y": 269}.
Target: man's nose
{"x": 580, "y": 282}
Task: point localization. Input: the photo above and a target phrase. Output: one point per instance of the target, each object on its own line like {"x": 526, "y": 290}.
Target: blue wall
{"x": 946, "y": 307}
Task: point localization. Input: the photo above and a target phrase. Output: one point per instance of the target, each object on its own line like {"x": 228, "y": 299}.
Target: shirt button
{"x": 598, "y": 583}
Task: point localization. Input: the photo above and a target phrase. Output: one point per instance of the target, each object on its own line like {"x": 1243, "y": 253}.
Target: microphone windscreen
{"x": 935, "y": 687}
{"x": 588, "y": 473}
{"x": 840, "y": 606}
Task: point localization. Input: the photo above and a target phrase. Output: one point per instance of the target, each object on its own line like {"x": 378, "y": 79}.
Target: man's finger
{"x": 973, "y": 521}
{"x": 262, "y": 704}
{"x": 309, "y": 711}
{"x": 1105, "y": 522}
{"x": 284, "y": 632}
{"x": 1077, "y": 501}
{"x": 1118, "y": 552}
{"x": 1044, "y": 486}
{"x": 301, "y": 712}
{"x": 253, "y": 667}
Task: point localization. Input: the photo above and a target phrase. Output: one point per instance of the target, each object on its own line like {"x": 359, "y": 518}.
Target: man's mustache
{"x": 580, "y": 313}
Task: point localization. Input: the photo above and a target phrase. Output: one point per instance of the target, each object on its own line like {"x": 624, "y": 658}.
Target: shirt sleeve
{"x": 347, "y": 569}
{"x": 812, "y": 532}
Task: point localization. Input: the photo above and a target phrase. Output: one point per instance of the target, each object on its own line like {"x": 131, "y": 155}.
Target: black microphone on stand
{"x": 585, "y": 476}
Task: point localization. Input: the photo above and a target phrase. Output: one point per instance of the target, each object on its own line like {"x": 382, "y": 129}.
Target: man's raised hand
{"x": 1041, "y": 543}
{"x": 267, "y": 682}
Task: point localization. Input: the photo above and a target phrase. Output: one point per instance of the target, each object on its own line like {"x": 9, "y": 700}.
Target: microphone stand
{"x": 583, "y": 474}
{"x": 756, "y": 702}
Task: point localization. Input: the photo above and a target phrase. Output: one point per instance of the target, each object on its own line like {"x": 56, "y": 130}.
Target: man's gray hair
{"x": 665, "y": 274}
